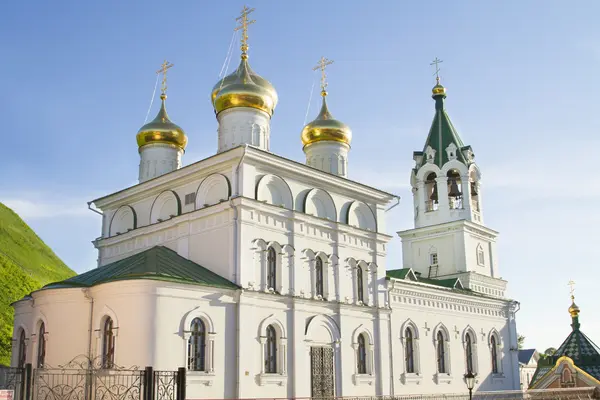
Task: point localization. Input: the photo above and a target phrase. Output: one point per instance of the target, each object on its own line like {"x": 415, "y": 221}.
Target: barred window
{"x": 441, "y": 353}
{"x": 469, "y": 352}
{"x": 271, "y": 351}
{"x": 22, "y": 350}
{"x": 319, "y": 276}
{"x": 271, "y": 268}
{"x": 197, "y": 346}
{"x": 41, "y": 352}
{"x": 108, "y": 344}
{"x": 410, "y": 351}
{"x": 362, "y": 355}
{"x": 360, "y": 295}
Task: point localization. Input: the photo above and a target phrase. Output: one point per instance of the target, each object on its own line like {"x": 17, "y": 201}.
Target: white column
{"x": 283, "y": 354}
{"x": 263, "y": 341}
{"x": 466, "y": 195}
{"x": 211, "y": 352}
{"x": 442, "y": 187}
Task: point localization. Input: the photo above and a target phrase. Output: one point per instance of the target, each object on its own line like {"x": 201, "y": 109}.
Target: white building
{"x": 528, "y": 362}
{"x": 266, "y": 277}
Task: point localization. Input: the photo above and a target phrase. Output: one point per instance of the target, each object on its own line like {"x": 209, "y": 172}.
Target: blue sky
{"x": 522, "y": 91}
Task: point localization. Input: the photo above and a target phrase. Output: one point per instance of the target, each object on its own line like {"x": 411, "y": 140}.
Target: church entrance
{"x": 322, "y": 370}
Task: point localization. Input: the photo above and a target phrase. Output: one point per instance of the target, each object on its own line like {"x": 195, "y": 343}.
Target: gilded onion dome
{"x": 244, "y": 88}
{"x": 162, "y": 130}
{"x": 574, "y": 309}
{"x": 326, "y": 128}
{"x": 438, "y": 89}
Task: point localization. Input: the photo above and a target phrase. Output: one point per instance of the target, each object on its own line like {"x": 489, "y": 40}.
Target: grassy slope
{"x": 26, "y": 264}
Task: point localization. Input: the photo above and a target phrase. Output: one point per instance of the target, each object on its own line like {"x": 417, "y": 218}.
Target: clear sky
{"x": 522, "y": 91}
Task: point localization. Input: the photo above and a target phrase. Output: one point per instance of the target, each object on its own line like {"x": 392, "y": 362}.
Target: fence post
{"x": 181, "y": 383}
{"x": 28, "y": 372}
{"x": 148, "y": 384}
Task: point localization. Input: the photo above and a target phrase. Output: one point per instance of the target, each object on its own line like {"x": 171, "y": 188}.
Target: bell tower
{"x": 449, "y": 239}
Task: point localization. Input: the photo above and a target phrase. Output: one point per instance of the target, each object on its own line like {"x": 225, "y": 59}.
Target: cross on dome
{"x": 163, "y": 70}
{"x": 243, "y": 20}
{"x": 322, "y": 65}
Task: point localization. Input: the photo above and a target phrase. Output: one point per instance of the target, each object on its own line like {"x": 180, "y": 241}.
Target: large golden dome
{"x": 326, "y": 128}
{"x": 244, "y": 88}
{"x": 162, "y": 130}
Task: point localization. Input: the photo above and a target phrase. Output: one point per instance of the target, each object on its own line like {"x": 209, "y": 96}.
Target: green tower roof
{"x": 442, "y": 133}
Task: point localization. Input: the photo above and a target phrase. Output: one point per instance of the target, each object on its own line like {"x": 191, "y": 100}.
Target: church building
{"x": 268, "y": 277}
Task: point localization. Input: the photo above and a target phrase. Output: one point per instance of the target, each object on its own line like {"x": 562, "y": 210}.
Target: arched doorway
{"x": 322, "y": 334}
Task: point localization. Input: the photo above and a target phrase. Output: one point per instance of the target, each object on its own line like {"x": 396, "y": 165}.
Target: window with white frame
{"x": 108, "y": 344}
{"x": 197, "y": 346}
{"x": 480, "y": 256}
{"x": 271, "y": 269}
{"x": 361, "y": 355}
{"x": 271, "y": 351}
{"x": 494, "y": 350}
{"x": 41, "y": 346}
{"x": 441, "y": 353}
{"x": 433, "y": 259}
{"x": 319, "y": 281}
{"x": 22, "y": 355}
{"x": 360, "y": 285}
{"x": 409, "y": 351}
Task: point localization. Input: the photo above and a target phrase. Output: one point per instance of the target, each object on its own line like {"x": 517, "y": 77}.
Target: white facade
{"x": 307, "y": 250}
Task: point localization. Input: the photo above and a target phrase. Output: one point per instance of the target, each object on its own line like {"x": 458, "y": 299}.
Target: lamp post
{"x": 470, "y": 381}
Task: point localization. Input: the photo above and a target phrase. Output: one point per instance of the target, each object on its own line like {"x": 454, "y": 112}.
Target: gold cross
{"x": 163, "y": 70}
{"x": 243, "y": 19}
{"x": 571, "y": 284}
{"x": 437, "y": 62}
{"x": 323, "y": 63}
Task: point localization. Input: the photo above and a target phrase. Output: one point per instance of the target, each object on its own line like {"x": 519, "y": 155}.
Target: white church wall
{"x": 418, "y": 253}
{"x": 426, "y": 310}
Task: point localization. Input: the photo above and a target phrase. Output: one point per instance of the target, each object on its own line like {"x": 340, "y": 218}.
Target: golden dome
{"x": 438, "y": 89}
{"x": 244, "y": 88}
{"x": 162, "y": 130}
{"x": 325, "y": 127}
{"x": 574, "y": 310}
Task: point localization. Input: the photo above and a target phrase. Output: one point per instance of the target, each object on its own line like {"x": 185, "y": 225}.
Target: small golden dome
{"x": 438, "y": 89}
{"x": 326, "y": 128}
{"x": 162, "y": 130}
{"x": 574, "y": 310}
{"x": 244, "y": 88}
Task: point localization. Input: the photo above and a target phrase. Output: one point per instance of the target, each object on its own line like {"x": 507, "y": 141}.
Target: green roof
{"x": 409, "y": 274}
{"x": 578, "y": 347}
{"x": 158, "y": 263}
{"x": 441, "y": 134}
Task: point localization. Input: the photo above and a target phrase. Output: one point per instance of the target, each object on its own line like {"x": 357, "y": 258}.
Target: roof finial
{"x": 323, "y": 63}
{"x": 163, "y": 70}
{"x": 572, "y": 284}
{"x": 437, "y": 62}
{"x": 243, "y": 20}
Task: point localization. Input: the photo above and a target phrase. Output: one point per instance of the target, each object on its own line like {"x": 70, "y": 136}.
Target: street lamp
{"x": 470, "y": 380}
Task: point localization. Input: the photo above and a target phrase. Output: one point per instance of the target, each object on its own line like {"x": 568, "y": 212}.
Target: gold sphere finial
{"x": 438, "y": 89}
{"x": 574, "y": 310}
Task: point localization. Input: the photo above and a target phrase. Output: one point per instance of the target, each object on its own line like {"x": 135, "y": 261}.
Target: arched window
{"x": 197, "y": 346}
{"x": 441, "y": 353}
{"x": 409, "y": 352}
{"x": 319, "y": 277}
{"x": 495, "y": 355}
{"x": 362, "y": 355}
{"x": 271, "y": 351}
{"x": 108, "y": 344}
{"x": 271, "y": 268}
{"x": 41, "y": 350}
{"x": 22, "y": 350}
{"x": 469, "y": 352}
{"x": 360, "y": 295}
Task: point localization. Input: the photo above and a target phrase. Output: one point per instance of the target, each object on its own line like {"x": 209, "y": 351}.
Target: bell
{"x": 454, "y": 192}
{"x": 434, "y": 194}
{"x": 474, "y": 189}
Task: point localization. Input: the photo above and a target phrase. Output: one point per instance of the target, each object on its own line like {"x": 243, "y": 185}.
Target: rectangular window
{"x": 433, "y": 259}
{"x": 190, "y": 198}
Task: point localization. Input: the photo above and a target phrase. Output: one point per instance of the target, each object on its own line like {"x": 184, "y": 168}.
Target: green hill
{"x": 26, "y": 264}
